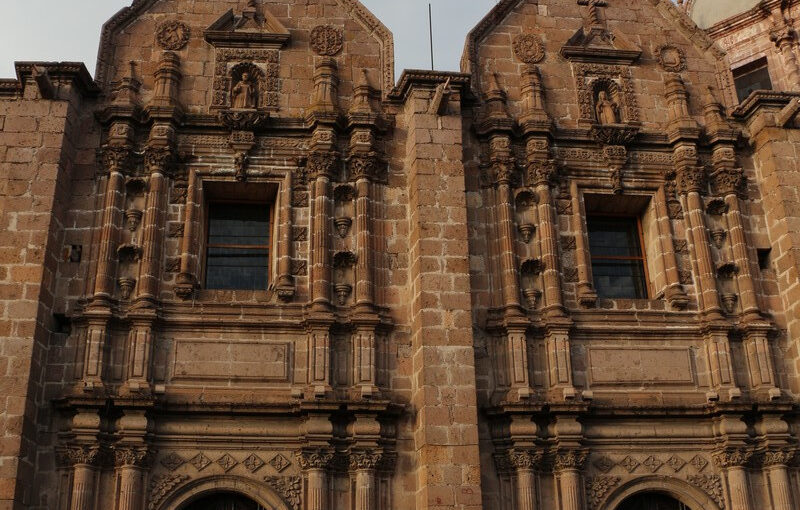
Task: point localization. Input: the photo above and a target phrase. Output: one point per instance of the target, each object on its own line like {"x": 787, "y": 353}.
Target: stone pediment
{"x": 599, "y": 44}
{"x": 252, "y": 27}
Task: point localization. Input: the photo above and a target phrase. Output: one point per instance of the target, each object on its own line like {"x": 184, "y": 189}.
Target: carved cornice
{"x": 314, "y": 459}
{"x": 732, "y": 458}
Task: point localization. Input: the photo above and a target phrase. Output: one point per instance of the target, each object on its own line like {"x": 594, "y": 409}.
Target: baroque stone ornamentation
{"x": 133, "y": 456}
{"x": 314, "y": 459}
{"x": 173, "y": 35}
{"x": 200, "y": 461}
{"x": 327, "y": 40}
{"x": 227, "y": 462}
{"x": 570, "y": 459}
{"x": 629, "y": 463}
{"x": 265, "y": 61}
{"x": 731, "y": 458}
{"x": 675, "y": 463}
{"x": 652, "y": 463}
{"x": 529, "y": 48}
{"x": 598, "y": 487}
{"x": 161, "y": 486}
{"x": 671, "y": 58}
{"x": 525, "y": 459}
{"x": 300, "y": 199}
{"x": 116, "y": 158}
{"x": 729, "y": 181}
{"x": 691, "y": 179}
{"x": 172, "y": 461}
{"x": 299, "y": 267}
{"x": 699, "y": 463}
{"x": 289, "y": 488}
{"x": 587, "y": 74}
{"x": 279, "y": 463}
{"x": 604, "y": 463}
{"x": 778, "y": 457}
{"x": 299, "y": 234}
{"x": 363, "y": 460}
{"x": 362, "y": 166}
{"x": 541, "y": 172}
{"x": 88, "y": 455}
{"x": 711, "y": 485}
{"x": 322, "y": 164}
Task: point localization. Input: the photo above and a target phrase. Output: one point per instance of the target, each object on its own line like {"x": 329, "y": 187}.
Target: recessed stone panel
{"x": 231, "y": 361}
{"x": 609, "y": 365}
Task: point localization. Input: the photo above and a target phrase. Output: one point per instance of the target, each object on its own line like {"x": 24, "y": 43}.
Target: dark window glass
{"x": 617, "y": 260}
{"x": 238, "y": 247}
{"x": 753, "y": 76}
{"x": 224, "y": 501}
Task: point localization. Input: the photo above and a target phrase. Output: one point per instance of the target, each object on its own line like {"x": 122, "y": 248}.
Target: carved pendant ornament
{"x": 173, "y": 35}
{"x": 327, "y": 40}
{"x": 529, "y": 49}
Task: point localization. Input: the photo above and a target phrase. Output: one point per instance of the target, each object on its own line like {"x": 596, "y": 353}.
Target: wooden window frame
{"x": 643, "y": 258}
{"x": 268, "y": 247}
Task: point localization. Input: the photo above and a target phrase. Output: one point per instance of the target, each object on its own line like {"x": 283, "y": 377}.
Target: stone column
{"x": 586, "y": 293}
{"x": 525, "y": 463}
{"x": 674, "y": 293}
{"x": 540, "y": 176}
{"x": 157, "y": 160}
{"x": 321, "y": 168}
{"x": 734, "y": 462}
{"x": 116, "y": 160}
{"x": 314, "y": 464}
{"x": 776, "y": 464}
{"x": 784, "y": 39}
{"x": 363, "y": 464}
{"x": 131, "y": 462}
{"x": 503, "y": 168}
{"x": 285, "y": 284}
{"x": 187, "y": 278}
{"x": 85, "y": 461}
{"x": 362, "y": 169}
{"x": 568, "y": 466}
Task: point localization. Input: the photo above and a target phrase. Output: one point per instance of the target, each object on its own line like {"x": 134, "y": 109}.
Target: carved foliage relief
{"x": 615, "y": 80}
{"x": 528, "y": 48}
{"x": 173, "y": 35}
{"x": 246, "y": 78}
{"x": 327, "y": 40}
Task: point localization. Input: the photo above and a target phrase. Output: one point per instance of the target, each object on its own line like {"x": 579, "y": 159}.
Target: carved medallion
{"x": 529, "y": 48}
{"x": 671, "y": 58}
{"x": 173, "y": 35}
{"x": 327, "y": 40}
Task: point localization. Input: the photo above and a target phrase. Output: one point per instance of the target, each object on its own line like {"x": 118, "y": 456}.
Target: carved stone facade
{"x": 432, "y": 334}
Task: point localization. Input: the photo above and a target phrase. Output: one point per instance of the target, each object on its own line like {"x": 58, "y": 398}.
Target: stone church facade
{"x": 244, "y": 268}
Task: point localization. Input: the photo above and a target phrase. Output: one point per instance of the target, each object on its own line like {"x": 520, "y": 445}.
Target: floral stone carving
{"x": 529, "y": 48}
{"x": 671, "y": 58}
{"x": 327, "y": 40}
{"x": 173, "y": 35}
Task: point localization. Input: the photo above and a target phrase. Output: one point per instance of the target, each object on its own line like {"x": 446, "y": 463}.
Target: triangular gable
{"x": 353, "y": 7}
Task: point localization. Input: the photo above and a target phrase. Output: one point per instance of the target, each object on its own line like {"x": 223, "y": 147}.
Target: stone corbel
{"x": 241, "y": 143}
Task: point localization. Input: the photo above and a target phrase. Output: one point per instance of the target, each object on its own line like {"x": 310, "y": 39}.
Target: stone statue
{"x": 244, "y": 93}
{"x": 606, "y": 109}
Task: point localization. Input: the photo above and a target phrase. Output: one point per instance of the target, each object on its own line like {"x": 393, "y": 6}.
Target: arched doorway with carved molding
{"x": 701, "y": 492}
{"x": 226, "y": 493}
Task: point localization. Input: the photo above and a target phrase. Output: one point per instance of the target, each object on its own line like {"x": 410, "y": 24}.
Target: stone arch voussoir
{"x": 259, "y": 492}
{"x": 686, "y": 493}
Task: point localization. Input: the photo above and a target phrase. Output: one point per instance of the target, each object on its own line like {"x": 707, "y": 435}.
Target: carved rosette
{"x": 314, "y": 459}
{"x": 570, "y": 460}
{"x": 542, "y": 172}
{"x": 731, "y": 458}
{"x": 158, "y": 159}
{"x": 691, "y": 179}
{"x": 327, "y": 40}
{"x": 116, "y": 158}
{"x": 173, "y": 35}
{"x": 363, "y": 166}
{"x": 322, "y": 164}
{"x": 529, "y": 48}
{"x": 730, "y": 181}
{"x": 671, "y": 58}
{"x": 131, "y": 456}
{"x": 778, "y": 457}
{"x": 524, "y": 459}
{"x": 364, "y": 460}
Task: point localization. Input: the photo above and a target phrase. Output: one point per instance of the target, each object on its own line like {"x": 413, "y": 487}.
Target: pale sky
{"x": 69, "y": 30}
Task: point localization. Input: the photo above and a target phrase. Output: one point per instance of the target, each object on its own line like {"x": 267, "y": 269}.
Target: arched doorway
{"x": 224, "y": 501}
{"x": 652, "y": 501}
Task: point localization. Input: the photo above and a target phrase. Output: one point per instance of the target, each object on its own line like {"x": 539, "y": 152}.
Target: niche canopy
{"x": 595, "y": 42}
{"x": 253, "y": 27}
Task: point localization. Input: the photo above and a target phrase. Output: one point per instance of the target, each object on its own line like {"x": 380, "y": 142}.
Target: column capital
{"x": 139, "y": 456}
{"x": 690, "y": 179}
{"x": 319, "y": 458}
{"x": 503, "y": 170}
{"x": 542, "y": 172}
{"x": 524, "y": 459}
{"x": 158, "y": 158}
{"x": 116, "y": 158}
{"x": 778, "y": 457}
{"x": 362, "y": 460}
{"x": 732, "y": 458}
{"x": 570, "y": 459}
{"x": 86, "y": 455}
{"x": 729, "y": 181}
{"x": 322, "y": 164}
{"x": 363, "y": 166}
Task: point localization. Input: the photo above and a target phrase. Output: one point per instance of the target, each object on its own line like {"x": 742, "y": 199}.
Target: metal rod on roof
{"x": 430, "y": 27}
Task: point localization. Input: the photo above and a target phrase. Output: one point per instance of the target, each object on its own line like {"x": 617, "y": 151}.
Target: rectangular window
{"x": 618, "y": 263}
{"x": 750, "y": 77}
{"x": 237, "y": 251}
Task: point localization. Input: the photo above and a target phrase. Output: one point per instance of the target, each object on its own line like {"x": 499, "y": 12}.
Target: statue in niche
{"x": 243, "y": 95}
{"x": 606, "y": 109}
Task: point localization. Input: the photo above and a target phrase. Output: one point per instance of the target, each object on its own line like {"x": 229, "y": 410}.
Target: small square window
{"x": 618, "y": 263}
{"x": 237, "y": 250}
{"x": 751, "y": 77}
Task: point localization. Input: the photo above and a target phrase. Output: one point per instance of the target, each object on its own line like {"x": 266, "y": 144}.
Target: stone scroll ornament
{"x": 327, "y": 40}
{"x": 529, "y": 49}
{"x": 173, "y": 35}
